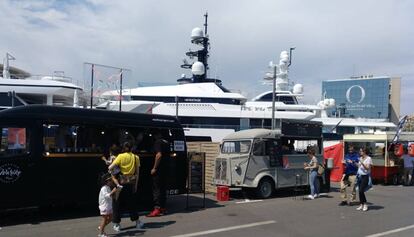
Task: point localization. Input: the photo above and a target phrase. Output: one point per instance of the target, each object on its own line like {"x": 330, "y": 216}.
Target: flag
{"x": 400, "y": 127}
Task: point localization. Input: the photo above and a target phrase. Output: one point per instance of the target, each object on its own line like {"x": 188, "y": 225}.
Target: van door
{"x": 264, "y": 158}
{"x": 17, "y": 168}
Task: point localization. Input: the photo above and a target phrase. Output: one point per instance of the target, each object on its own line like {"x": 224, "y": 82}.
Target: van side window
{"x": 259, "y": 148}
{"x": 274, "y": 152}
{"x": 61, "y": 138}
{"x": 14, "y": 141}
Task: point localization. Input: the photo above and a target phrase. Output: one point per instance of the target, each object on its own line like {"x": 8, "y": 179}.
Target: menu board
{"x": 196, "y": 172}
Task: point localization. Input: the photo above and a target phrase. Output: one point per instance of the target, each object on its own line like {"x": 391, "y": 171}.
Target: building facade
{"x": 365, "y": 97}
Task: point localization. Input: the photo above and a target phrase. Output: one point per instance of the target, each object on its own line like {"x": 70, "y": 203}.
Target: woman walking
{"x": 312, "y": 166}
{"x": 364, "y": 171}
{"x": 129, "y": 165}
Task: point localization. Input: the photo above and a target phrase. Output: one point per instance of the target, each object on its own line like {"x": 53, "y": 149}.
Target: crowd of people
{"x": 118, "y": 193}
{"x": 357, "y": 175}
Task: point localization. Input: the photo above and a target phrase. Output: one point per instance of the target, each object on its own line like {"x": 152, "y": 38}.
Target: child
{"x": 115, "y": 171}
{"x": 105, "y": 203}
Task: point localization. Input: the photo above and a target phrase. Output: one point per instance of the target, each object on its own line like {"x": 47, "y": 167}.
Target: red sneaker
{"x": 156, "y": 212}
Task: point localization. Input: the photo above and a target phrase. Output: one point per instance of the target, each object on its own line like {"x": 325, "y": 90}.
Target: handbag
{"x": 321, "y": 169}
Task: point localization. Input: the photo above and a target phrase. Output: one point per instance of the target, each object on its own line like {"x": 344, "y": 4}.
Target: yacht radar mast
{"x": 200, "y": 67}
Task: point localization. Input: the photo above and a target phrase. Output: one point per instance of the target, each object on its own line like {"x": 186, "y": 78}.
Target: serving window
{"x": 14, "y": 141}
{"x": 61, "y": 139}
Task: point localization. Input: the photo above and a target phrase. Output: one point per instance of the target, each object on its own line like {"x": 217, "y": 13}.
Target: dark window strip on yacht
{"x": 217, "y": 121}
{"x": 171, "y": 99}
{"x": 285, "y": 99}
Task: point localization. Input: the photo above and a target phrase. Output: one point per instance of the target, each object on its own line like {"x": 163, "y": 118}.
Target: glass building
{"x": 364, "y": 97}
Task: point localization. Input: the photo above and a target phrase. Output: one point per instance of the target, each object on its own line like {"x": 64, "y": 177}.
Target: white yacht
{"x": 206, "y": 109}
{"x": 18, "y": 87}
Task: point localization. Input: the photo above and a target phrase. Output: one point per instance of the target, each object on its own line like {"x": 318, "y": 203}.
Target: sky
{"x": 333, "y": 39}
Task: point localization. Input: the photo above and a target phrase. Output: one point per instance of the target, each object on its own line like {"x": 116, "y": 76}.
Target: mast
{"x": 200, "y": 67}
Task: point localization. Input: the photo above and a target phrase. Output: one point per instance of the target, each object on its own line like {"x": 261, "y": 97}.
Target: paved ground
{"x": 391, "y": 209}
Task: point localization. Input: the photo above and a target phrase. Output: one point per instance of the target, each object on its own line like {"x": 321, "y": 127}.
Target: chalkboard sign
{"x": 196, "y": 172}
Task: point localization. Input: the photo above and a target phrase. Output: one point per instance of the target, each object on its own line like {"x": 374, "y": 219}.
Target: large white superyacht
{"x": 18, "y": 87}
{"x": 207, "y": 110}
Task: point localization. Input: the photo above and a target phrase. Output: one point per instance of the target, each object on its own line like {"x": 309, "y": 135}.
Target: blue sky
{"x": 333, "y": 39}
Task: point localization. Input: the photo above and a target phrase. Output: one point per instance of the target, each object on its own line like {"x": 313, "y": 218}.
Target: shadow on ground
{"x": 175, "y": 204}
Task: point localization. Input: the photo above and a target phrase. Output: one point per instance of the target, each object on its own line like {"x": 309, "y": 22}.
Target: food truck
{"x": 51, "y": 155}
{"x": 265, "y": 160}
{"x": 387, "y": 165}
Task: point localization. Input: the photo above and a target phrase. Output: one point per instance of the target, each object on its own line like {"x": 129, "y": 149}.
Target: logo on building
{"x": 9, "y": 173}
{"x": 354, "y": 100}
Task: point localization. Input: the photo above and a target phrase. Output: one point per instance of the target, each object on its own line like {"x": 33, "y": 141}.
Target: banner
{"x": 335, "y": 152}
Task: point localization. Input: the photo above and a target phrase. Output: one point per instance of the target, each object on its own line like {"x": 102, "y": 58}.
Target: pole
{"x": 120, "y": 90}
{"x": 176, "y": 106}
{"x": 92, "y": 72}
{"x": 273, "y": 97}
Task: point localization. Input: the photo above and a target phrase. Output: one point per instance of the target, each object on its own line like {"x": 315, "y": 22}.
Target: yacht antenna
{"x": 290, "y": 55}
{"x": 205, "y": 23}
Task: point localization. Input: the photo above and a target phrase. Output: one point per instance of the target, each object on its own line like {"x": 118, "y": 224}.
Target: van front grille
{"x": 221, "y": 169}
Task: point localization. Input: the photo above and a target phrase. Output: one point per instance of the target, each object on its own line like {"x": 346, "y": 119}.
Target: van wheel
{"x": 265, "y": 188}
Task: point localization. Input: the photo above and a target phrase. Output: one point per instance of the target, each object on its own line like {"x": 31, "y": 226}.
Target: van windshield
{"x": 236, "y": 147}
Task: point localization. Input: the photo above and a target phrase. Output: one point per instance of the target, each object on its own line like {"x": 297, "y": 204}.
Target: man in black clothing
{"x": 159, "y": 173}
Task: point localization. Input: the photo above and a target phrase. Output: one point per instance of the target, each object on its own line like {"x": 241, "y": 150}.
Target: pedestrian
{"x": 364, "y": 172}
{"x": 159, "y": 175}
{"x": 349, "y": 177}
{"x": 408, "y": 167}
{"x": 129, "y": 165}
{"x": 312, "y": 166}
{"x": 105, "y": 202}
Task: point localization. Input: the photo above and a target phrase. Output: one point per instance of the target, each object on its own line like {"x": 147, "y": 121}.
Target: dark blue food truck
{"x": 52, "y": 155}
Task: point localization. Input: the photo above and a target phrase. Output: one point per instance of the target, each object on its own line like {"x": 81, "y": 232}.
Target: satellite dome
{"x": 198, "y": 68}
{"x": 197, "y": 33}
{"x": 284, "y": 57}
{"x": 331, "y": 102}
{"x": 298, "y": 89}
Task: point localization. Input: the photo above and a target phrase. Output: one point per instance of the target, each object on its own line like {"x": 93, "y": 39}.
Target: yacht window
{"x": 286, "y": 99}
{"x": 236, "y": 147}
{"x": 14, "y": 141}
{"x": 281, "y": 98}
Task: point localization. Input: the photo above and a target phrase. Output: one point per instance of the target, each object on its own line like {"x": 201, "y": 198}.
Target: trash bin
{"x": 223, "y": 193}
